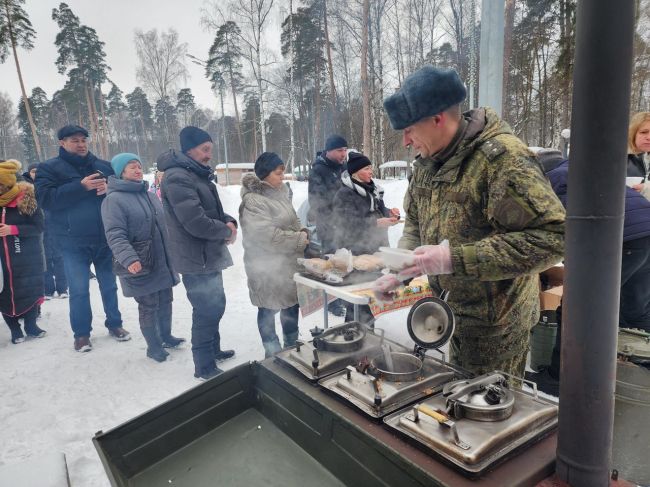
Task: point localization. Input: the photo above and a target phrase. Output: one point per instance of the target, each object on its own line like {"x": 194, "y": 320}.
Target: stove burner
{"x": 406, "y": 367}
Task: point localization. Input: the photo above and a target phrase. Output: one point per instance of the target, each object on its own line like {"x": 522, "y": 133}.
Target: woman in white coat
{"x": 273, "y": 239}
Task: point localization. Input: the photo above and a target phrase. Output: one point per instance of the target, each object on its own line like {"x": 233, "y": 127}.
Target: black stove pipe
{"x": 594, "y": 232}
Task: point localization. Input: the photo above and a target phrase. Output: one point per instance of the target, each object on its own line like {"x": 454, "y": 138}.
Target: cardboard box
{"x": 552, "y": 277}
{"x": 551, "y": 298}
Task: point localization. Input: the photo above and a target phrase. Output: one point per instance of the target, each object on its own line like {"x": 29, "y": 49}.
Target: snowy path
{"x": 54, "y": 399}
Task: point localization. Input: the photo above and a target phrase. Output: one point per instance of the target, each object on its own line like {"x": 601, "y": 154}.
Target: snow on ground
{"x": 54, "y": 399}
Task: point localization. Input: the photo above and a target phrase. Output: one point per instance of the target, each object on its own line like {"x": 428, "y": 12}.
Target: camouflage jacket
{"x": 503, "y": 222}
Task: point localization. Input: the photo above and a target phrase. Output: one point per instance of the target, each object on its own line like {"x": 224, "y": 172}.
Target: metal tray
{"x": 354, "y": 277}
{"x": 358, "y": 389}
{"x": 489, "y": 442}
{"x": 332, "y": 362}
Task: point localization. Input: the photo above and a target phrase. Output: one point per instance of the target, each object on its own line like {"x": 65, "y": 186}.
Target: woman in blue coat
{"x": 131, "y": 213}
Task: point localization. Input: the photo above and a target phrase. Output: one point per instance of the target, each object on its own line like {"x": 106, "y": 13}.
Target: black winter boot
{"x": 154, "y": 344}
{"x": 220, "y": 355}
{"x": 168, "y": 340}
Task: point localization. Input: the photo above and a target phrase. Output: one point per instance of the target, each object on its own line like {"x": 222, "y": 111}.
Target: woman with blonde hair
{"x": 638, "y": 143}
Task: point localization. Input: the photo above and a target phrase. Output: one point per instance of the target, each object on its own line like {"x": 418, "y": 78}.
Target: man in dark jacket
{"x": 199, "y": 231}
{"x": 324, "y": 182}
{"x": 71, "y": 188}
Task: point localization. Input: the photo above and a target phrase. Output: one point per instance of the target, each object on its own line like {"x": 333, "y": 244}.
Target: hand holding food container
{"x": 424, "y": 260}
{"x": 635, "y": 182}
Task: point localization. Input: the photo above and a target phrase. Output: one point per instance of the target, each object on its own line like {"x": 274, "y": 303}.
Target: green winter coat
{"x": 272, "y": 240}
{"x": 504, "y": 224}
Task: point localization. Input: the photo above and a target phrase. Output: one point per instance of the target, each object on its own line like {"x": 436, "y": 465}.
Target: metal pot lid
{"x": 347, "y": 337}
{"x": 431, "y": 322}
{"x": 483, "y": 398}
{"x": 634, "y": 344}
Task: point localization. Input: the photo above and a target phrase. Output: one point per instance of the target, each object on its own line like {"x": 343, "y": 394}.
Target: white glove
{"x": 430, "y": 260}
{"x": 384, "y": 287}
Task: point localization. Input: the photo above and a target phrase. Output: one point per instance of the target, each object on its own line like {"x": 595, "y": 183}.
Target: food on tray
{"x": 322, "y": 269}
{"x": 320, "y": 265}
{"x": 342, "y": 261}
{"x": 368, "y": 263}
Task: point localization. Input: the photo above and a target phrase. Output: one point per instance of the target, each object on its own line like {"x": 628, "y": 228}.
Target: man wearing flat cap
{"x": 71, "y": 188}
{"x": 481, "y": 217}
{"x": 199, "y": 231}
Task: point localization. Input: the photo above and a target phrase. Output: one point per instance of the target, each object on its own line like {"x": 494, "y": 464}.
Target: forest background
{"x": 286, "y": 73}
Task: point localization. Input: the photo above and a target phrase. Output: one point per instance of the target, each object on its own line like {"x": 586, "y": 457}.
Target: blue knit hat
{"x": 120, "y": 161}
{"x": 425, "y": 93}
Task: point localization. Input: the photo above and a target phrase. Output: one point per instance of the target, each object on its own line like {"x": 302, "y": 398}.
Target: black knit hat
{"x": 357, "y": 161}
{"x": 266, "y": 163}
{"x": 425, "y": 93}
{"x": 33, "y": 165}
{"x": 335, "y": 142}
{"x": 193, "y": 136}
{"x": 70, "y": 130}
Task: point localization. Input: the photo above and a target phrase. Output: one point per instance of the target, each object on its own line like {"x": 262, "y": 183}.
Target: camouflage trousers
{"x": 481, "y": 355}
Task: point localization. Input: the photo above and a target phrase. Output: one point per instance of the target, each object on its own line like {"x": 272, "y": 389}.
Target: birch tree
{"x": 162, "y": 61}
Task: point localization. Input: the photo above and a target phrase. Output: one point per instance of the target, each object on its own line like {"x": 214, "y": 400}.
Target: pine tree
{"x": 39, "y": 108}
{"x": 140, "y": 112}
{"x": 117, "y": 115}
{"x": 185, "y": 106}
{"x": 302, "y": 41}
{"x": 165, "y": 117}
{"x": 114, "y": 100}
{"x": 16, "y": 30}
{"x": 80, "y": 48}
{"x": 225, "y": 56}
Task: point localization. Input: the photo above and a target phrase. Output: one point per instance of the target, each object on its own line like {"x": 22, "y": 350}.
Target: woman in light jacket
{"x": 132, "y": 214}
{"x": 273, "y": 239}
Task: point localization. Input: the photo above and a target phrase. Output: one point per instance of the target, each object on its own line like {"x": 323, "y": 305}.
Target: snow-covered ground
{"x": 54, "y": 399}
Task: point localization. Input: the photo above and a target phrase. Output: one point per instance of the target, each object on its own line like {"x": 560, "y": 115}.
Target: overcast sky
{"x": 114, "y": 21}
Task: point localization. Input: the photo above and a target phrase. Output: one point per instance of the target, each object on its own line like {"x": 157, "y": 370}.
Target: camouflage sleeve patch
{"x": 528, "y": 219}
{"x": 513, "y": 211}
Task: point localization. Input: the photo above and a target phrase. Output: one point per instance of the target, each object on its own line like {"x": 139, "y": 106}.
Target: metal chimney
{"x": 594, "y": 233}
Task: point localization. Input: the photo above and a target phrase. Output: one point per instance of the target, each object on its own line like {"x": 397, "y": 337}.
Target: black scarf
{"x": 82, "y": 163}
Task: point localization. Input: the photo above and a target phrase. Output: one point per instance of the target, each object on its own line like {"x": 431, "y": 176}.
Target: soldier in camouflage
{"x": 477, "y": 186}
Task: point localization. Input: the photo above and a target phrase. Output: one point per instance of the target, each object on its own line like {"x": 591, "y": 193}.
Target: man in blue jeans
{"x": 71, "y": 188}
{"x": 199, "y": 231}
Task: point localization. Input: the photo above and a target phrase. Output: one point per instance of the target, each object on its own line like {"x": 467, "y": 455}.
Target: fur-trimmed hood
{"x": 26, "y": 199}
{"x": 250, "y": 183}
